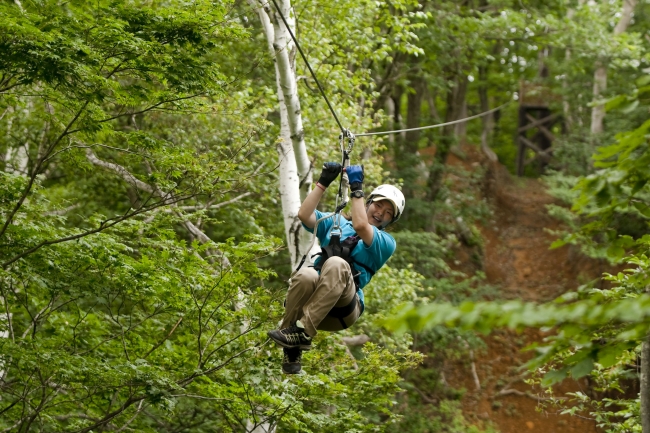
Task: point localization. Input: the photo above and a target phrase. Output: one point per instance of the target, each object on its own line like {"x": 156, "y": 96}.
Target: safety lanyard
{"x": 341, "y": 196}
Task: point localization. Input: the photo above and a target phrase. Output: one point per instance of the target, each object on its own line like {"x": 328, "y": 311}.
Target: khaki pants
{"x": 312, "y": 296}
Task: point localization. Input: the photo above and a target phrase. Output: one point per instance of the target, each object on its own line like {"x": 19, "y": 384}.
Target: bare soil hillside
{"x": 517, "y": 259}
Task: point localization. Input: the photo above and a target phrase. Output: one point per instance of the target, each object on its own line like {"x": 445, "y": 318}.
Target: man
{"x": 329, "y": 297}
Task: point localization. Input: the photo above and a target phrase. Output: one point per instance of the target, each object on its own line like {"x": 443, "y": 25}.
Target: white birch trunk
{"x": 295, "y": 168}
{"x": 600, "y": 75}
{"x": 285, "y": 55}
{"x": 598, "y": 111}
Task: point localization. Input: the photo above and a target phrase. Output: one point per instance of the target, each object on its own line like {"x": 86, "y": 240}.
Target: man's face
{"x": 380, "y": 213}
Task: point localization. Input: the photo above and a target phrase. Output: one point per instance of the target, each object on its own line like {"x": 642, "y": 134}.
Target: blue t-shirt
{"x": 374, "y": 256}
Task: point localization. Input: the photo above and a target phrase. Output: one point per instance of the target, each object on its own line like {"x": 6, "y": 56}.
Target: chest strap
{"x": 343, "y": 249}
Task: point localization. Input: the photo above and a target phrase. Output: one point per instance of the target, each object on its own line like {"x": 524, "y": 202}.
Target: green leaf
{"x": 554, "y": 376}
{"x": 625, "y": 241}
{"x": 608, "y": 356}
{"x": 615, "y": 102}
{"x": 628, "y": 108}
{"x": 557, "y": 244}
{"x": 642, "y": 207}
{"x": 615, "y": 252}
{"x": 582, "y": 368}
{"x": 638, "y": 185}
{"x": 643, "y": 81}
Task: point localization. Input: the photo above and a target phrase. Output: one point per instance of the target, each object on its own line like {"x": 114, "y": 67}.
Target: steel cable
{"x": 367, "y": 134}
{"x": 322, "y": 92}
{"x": 438, "y": 125}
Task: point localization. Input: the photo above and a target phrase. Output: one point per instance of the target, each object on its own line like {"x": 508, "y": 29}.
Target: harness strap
{"x": 343, "y": 250}
{"x": 342, "y": 312}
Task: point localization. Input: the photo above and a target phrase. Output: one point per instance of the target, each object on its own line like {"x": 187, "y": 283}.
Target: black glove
{"x": 355, "y": 177}
{"x": 330, "y": 172}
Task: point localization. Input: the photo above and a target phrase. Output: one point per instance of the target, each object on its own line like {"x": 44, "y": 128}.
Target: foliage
{"x": 599, "y": 324}
{"x": 139, "y": 250}
{"x": 595, "y": 330}
{"x": 134, "y": 294}
{"x": 445, "y": 417}
{"x": 609, "y": 404}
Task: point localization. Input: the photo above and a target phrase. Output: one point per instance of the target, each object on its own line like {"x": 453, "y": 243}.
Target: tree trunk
{"x": 460, "y": 129}
{"x": 434, "y": 116}
{"x": 414, "y": 113}
{"x": 645, "y": 385}
{"x": 598, "y": 111}
{"x": 389, "y": 107}
{"x": 566, "y": 105}
{"x": 397, "y": 113}
{"x": 294, "y": 167}
{"x": 488, "y": 121}
{"x": 455, "y": 100}
{"x": 600, "y": 75}
{"x": 285, "y": 55}
{"x": 409, "y": 161}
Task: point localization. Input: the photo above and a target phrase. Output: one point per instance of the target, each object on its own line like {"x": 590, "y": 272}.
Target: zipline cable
{"x": 439, "y": 125}
{"x": 346, "y": 132}
{"x": 322, "y": 92}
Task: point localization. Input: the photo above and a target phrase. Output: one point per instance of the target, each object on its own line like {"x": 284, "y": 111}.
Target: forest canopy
{"x": 154, "y": 155}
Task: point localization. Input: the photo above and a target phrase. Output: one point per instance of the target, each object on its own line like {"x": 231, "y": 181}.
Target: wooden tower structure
{"x": 535, "y": 123}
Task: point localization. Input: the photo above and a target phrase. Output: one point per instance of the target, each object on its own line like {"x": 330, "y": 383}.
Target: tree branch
{"x": 112, "y": 415}
{"x": 130, "y": 178}
{"x": 123, "y": 172}
{"x": 511, "y": 391}
{"x": 218, "y": 205}
{"x": 103, "y": 226}
{"x": 357, "y": 340}
{"x": 164, "y": 339}
{"x": 37, "y": 169}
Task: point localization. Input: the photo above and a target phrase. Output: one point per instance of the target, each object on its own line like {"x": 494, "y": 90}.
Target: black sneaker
{"x": 291, "y": 360}
{"x": 291, "y": 337}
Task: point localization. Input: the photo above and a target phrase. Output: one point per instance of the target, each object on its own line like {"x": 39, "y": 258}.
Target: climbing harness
{"x": 343, "y": 249}
{"x": 337, "y": 247}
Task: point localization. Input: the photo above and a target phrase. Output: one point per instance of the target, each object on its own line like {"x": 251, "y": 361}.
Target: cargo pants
{"x": 317, "y": 300}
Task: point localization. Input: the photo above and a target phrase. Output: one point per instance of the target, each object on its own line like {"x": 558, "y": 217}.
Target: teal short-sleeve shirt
{"x": 374, "y": 256}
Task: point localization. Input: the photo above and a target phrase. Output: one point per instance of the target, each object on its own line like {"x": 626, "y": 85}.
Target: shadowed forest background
{"x": 153, "y": 155}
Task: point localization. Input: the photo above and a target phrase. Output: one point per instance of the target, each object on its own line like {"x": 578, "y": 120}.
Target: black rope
{"x": 322, "y": 92}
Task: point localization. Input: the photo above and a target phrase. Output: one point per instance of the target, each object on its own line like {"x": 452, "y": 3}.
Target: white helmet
{"x": 392, "y": 194}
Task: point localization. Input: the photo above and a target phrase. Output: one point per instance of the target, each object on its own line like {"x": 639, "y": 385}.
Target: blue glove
{"x": 355, "y": 177}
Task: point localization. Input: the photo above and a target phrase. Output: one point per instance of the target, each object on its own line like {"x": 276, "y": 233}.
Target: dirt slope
{"x": 517, "y": 258}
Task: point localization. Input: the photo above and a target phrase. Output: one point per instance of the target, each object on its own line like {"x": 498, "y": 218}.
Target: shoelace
{"x": 293, "y": 335}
